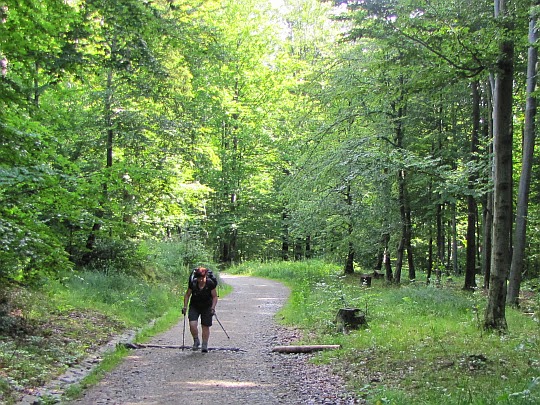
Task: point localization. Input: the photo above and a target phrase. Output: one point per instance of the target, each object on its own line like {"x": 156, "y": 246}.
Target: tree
{"x": 529, "y": 135}
{"x": 495, "y": 315}
{"x": 472, "y": 209}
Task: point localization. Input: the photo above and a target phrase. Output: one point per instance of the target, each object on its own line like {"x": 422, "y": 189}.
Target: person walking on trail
{"x": 202, "y": 298}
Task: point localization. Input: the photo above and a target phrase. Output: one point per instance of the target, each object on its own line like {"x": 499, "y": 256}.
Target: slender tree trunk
{"x": 518, "y": 255}
{"x": 495, "y": 315}
{"x": 298, "y": 252}
{"x": 488, "y": 198}
{"x": 410, "y": 257}
{"x": 399, "y": 261}
{"x": 430, "y": 259}
{"x": 285, "y": 236}
{"x": 349, "y": 262}
{"x": 487, "y": 239}
{"x": 109, "y": 148}
{"x": 385, "y": 239}
{"x": 309, "y": 252}
{"x": 388, "y": 267}
{"x": 454, "y": 253}
{"x": 440, "y": 239}
{"x": 472, "y": 209}
{"x": 230, "y": 163}
{"x": 404, "y": 207}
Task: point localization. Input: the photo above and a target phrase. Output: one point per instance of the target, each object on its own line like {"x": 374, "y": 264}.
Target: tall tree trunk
{"x": 440, "y": 240}
{"x": 349, "y": 262}
{"x": 385, "y": 239}
{"x": 429, "y": 272}
{"x": 403, "y": 201}
{"x": 309, "y": 252}
{"x": 388, "y": 267}
{"x": 230, "y": 162}
{"x": 487, "y": 214}
{"x": 495, "y": 315}
{"x": 487, "y": 238}
{"x": 454, "y": 253}
{"x": 472, "y": 209}
{"x": 298, "y": 251}
{"x": 518, "y": 255}
{"x": 408, "y": 240}
{"x": 109, "y": 148}
{"x": 285, "y": 236}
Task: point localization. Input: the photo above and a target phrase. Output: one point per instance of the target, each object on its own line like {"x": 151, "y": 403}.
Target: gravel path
{"x": 252, "y": 375}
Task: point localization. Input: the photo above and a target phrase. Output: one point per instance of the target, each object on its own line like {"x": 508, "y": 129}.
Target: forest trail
{"x": 253, "y": 374}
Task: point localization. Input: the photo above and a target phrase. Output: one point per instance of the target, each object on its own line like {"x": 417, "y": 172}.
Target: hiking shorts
{"x": 205, "y": 313}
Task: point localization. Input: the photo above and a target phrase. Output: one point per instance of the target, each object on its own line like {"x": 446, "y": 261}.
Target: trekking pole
{"x": 226, "y": 334}
{"x": 184, "y": 334}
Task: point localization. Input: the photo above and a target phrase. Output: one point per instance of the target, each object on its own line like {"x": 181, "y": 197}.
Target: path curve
{"x": 251, "y": 375}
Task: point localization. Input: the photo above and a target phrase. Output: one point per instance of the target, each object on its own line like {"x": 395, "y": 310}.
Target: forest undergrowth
{"x": 423, "y": 344}
{"x": 47, "y": 328}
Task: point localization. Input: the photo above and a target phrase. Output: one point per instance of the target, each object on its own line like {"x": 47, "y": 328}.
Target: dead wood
{"x": 145, "y": 346}
{"x": 304, "y": 349}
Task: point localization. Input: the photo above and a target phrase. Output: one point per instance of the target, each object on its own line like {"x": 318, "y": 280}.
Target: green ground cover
{"x": 50, "y": 327}
{"x": 423, "y": 344}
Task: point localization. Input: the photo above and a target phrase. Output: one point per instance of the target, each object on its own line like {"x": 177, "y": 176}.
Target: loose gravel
{"x": 250, "y": 374}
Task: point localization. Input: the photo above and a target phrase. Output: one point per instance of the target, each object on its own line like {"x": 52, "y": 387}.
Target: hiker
{"x": 202, "y": 291}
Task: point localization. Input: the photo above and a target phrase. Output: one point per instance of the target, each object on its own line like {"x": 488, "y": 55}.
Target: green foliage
{"x": 132, "y": 299}
{"x": 42, "y": 332}
{"x": 178, "y": 256}
{"x": 422, "y": 344}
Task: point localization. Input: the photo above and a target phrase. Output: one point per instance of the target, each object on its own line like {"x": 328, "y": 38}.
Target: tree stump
{"x": 377, "y": 275}
{"x": 350, "y": 318}
{"x": 365, "y": 279}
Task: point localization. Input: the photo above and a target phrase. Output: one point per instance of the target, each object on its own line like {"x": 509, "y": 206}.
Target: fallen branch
{"x": 145, "y": 346}
{"x": 304, "y": 349}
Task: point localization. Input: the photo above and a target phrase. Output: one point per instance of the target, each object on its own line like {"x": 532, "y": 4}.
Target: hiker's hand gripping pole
{"x": 228, "y": 337}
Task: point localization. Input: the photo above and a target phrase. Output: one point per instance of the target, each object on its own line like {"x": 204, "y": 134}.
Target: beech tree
{"x": 529, "y": 136}
{"x": 503, "y": 143}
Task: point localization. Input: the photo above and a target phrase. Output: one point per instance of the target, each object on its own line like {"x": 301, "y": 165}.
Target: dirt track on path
{"x": 251, "y": 375}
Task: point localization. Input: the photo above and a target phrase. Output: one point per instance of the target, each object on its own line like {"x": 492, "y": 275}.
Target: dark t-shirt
{"x": 201, "y": 298}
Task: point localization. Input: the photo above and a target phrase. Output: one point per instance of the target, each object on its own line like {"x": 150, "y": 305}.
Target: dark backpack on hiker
{"x": 210, "y": 276}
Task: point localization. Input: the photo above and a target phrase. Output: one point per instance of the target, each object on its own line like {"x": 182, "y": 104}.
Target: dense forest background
{"x": 389, "y": 135}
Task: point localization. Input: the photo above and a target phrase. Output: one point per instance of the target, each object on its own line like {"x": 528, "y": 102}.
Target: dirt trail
{"x": 252, "y": 375}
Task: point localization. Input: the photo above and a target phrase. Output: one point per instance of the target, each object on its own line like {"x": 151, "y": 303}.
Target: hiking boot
{"x": 204, "y": 347}
{"x": 196, "y": 344}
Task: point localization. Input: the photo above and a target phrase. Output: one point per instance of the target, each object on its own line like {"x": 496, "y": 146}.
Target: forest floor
{"x": 251, "y": 373}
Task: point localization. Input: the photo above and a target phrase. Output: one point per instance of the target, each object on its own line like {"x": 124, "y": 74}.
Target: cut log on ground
{"x": 304, "y": 349}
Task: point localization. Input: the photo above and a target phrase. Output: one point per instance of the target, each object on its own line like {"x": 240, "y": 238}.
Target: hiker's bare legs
{"x": 205, "y": 333}
{"x": 193, "y": 328}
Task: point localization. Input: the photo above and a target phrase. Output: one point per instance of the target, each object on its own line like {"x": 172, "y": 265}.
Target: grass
{"x": 423, "y": 344}
{"x": 44, "y": 331}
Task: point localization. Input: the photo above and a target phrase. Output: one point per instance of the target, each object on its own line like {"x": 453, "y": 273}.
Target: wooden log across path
{"x": 144, "y": 346}
{"x": 304, "y": 349}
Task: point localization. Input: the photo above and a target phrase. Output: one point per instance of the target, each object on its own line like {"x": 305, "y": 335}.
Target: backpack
{"x": 210, "y": 276}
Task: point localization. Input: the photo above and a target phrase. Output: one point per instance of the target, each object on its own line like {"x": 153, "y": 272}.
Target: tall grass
{"x": 125, "y": 297}
{"x": 422, "y": 345}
